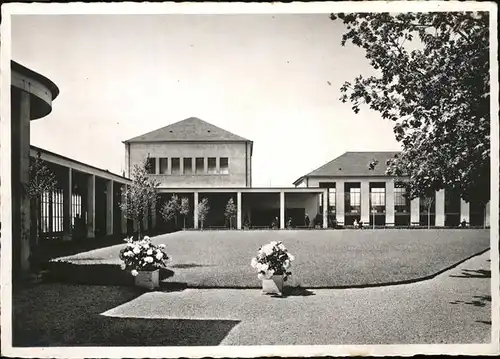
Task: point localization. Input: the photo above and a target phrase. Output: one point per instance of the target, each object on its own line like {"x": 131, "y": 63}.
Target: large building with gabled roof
{"x": 193, "y": 153}
{"x": 360, "y": 190}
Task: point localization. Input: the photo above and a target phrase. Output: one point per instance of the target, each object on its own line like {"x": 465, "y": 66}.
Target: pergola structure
{"x": 257, "y": 205}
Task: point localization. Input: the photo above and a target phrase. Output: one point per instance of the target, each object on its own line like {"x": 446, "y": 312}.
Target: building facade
{"x": 357, "y": 191}
{"x": 193, "y": 153}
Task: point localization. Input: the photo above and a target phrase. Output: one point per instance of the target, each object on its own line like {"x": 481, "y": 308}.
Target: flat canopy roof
{"x": 242, "y": 189}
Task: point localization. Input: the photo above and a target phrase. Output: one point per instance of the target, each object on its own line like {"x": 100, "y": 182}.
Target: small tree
{"x": 230, "y": 211}
{"x": 170, "y": 209}
{"x": 140, "y": 196}
{"x": 42, "y": 180}
{"x": 427, "y": 202}
{"x": 203, "y": 208}
{"x": 184, "y": 209}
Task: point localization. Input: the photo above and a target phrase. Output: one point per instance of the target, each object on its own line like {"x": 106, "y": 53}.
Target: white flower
{"x": 134, "y": 272}
{"x": 286, "y": 264}
{"x": 161, "y": 245}
{"x": 137, "y": 250}
{"x": 273, "y": 243}
{"x": 123, "y": 266}
{"x": 159, "y": 255}
{"x": 149, "y": 252}
{"x": 148, "y": 259}
{"x": 270, "y": 273}
{"x": 267, "y": 249}
{"x": 254, "y": 262}
{"x": 146, "y": 238}
{"x": 281, "y": 247}
{"x": 261, "y": 276}
{"x": 262, "y": 267}
{"x": 291, "y": 257}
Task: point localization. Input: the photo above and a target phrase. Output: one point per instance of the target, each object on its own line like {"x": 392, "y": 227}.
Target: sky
{"x": 273, "y": 79}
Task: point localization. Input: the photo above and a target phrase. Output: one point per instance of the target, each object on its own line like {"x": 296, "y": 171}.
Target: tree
{"x": 184, "y": 209}
{"x": 42, "y": 180}
{"x": 170, "y": 209}
{"x": 230, "y": 211}
{"x": 203, "y": 208}
{"x": 427, "y": 201}
{"x": 432, "y": 80}
{"x": 140, "y": 196}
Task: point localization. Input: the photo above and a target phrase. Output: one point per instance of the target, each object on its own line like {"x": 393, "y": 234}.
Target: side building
{"x": 355, "y": 191}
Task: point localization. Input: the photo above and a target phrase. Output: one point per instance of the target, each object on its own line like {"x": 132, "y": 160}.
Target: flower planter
{"x": 273, "y": 285}
{"x": 148, "y": 279}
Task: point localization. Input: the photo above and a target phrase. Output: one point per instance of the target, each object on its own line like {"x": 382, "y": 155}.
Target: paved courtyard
{"x": 324, "y": 259}
{"x": 454, "y": 307}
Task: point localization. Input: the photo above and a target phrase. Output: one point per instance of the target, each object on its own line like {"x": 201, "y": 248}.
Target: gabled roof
{"x": 190, "y": 129}
{"x": 353, "y": 164}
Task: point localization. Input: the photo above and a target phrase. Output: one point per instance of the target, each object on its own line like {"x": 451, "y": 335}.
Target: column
{"x": 157, "y": 165}
{"x": 440, "y": 211}
{"x": 340, "y": 202}
{"x": 169, "y": 165}
{"x": 109, "y": 207}
{"x": 205, "y": 165}
{"x": 325, "y": 209}
{"x": 238, "y": 211}
{"x": 365, "y": 202}
{"x": 67, "y": 206}
{"x": 464, "y": 211}
{"x": 415, "y": 212}
{"x": 123, "y": 217}
{"x": 389, "y": 203}
{"x": 91, "y": 206}
{"x": 487, "y": 215}
{"x": 282, "y": 210}
{"x": 20, "y": 159}
{"x": 195, "y": 210}
{"x": 217, "y": 164}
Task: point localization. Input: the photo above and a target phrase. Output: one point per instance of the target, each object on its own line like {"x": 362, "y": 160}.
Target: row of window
{"x": 377, "y": 200}
{"x": 189, "y": 165}
{"x": 52, "y": 210}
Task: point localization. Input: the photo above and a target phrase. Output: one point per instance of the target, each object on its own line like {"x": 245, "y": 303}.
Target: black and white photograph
{"x": 249, "y": 179}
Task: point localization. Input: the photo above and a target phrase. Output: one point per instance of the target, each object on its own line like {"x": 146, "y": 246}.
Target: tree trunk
{"x": 184, "y": 221}
{"x": 141, "y": 229}
{"x": 230, "y": 223}
{"x": 484, "y": 217}
{"x": 429, "y": 217}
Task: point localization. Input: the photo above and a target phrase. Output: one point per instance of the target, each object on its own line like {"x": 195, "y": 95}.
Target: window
{"x": 377, "y": 200}
{"x": 151, "y": 165}
{"x": 45, "y": 211}
{"x": 224, "y": 165}
{"x": 76, "y": 207}
{"x": 188, "y": 165}
{"x": 400, "y": 200}
{"x": 200, "y": 165}
{"x": 331, "y": 200}
{"x": 212, "y": 167}
{"x": 57, "y": 210}
{"x": 163, "y": 165}
{"x": 176, "y": 165}
{"x": 355, "y": 200}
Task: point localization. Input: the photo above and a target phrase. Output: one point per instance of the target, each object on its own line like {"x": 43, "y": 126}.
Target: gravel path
{"x": 452, "y": 308}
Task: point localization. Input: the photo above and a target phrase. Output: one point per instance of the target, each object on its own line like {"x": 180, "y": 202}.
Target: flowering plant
{"x": 143, "y": 255}
{"x": 272, "y": 259}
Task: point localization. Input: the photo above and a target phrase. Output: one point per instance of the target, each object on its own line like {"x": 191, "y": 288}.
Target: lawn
{"x": 324, "y": 259}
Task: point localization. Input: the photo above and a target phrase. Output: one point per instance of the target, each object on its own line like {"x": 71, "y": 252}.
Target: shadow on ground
{"x": 293, "y": 292}
{"x": 478, "y": 301}
{"x": 98, "y": 274}
{"x": 75, "y": 319}
{"x": 473, "y": 273}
